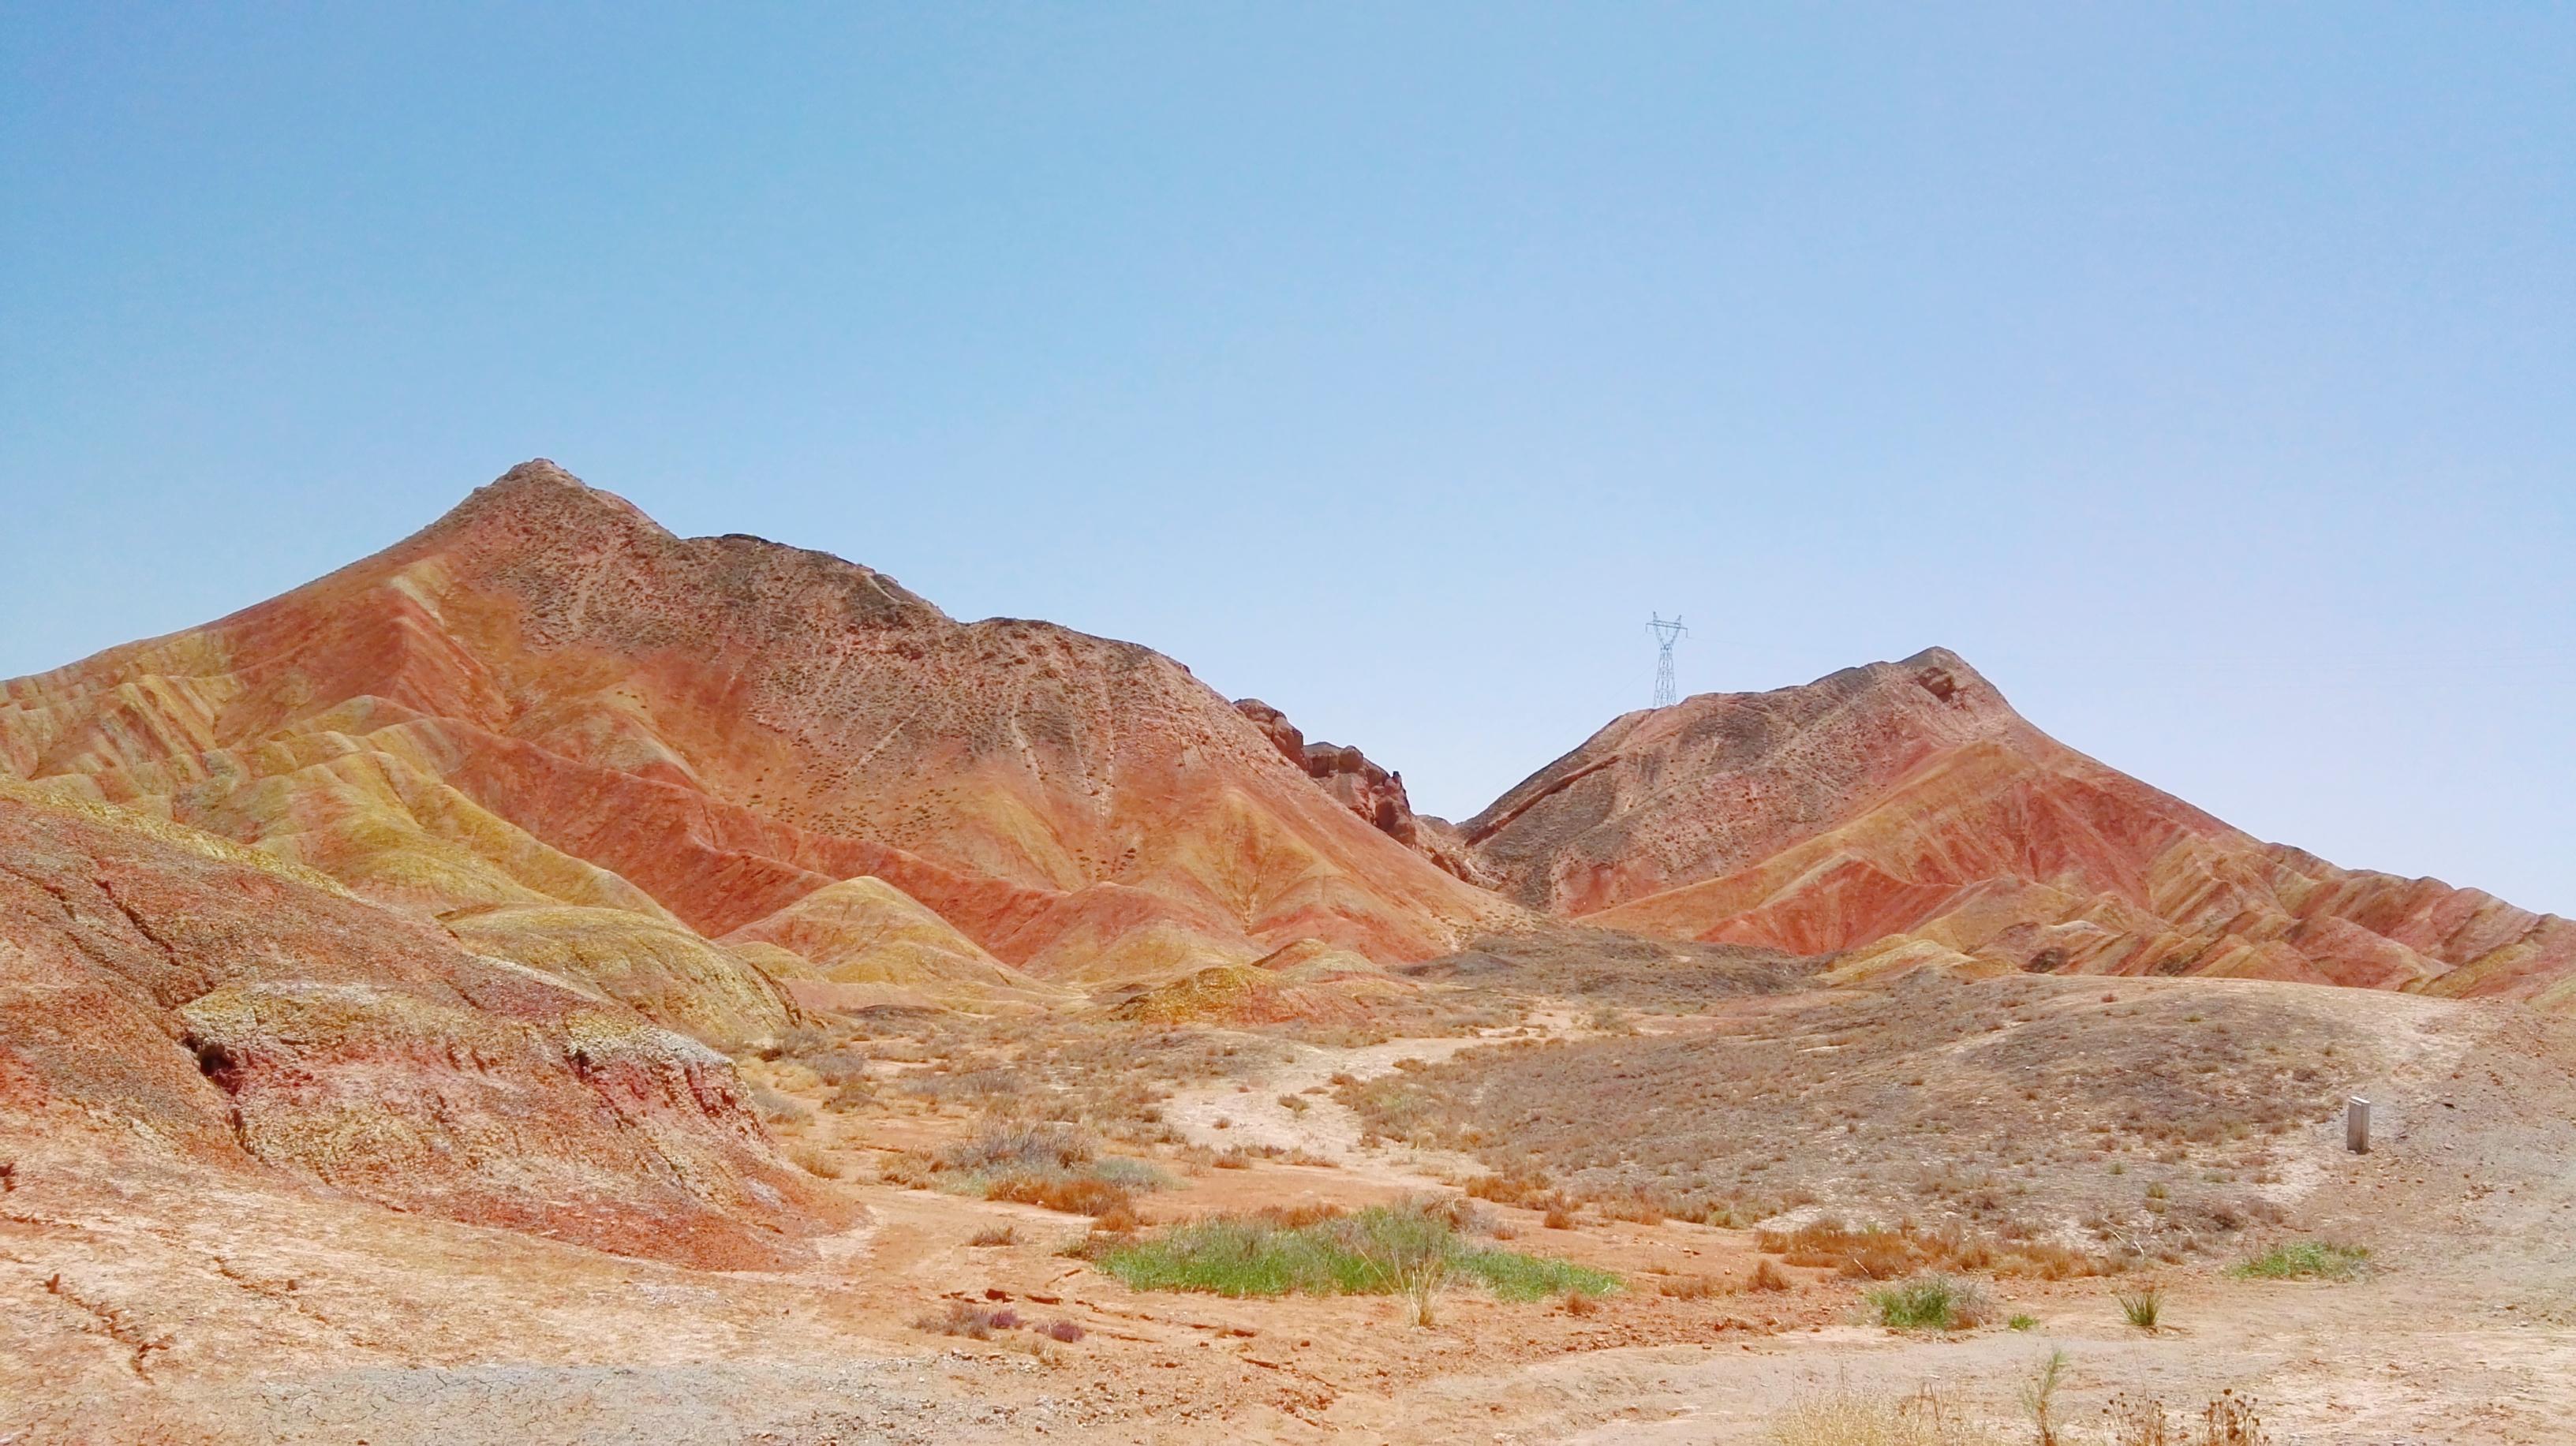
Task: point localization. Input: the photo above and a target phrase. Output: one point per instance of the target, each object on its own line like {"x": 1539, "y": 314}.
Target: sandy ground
{"x": 147, "y": 1308}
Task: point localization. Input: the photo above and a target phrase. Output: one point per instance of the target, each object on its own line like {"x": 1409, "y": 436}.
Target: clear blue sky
{"x": 2206, "y": 377}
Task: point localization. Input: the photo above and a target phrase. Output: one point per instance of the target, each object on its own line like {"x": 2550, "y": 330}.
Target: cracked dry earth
{"x": 165, "y": 1308}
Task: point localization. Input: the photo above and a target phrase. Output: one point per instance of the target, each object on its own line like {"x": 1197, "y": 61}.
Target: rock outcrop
{"x": 1908, "y": 800}
{"x": 169, "y": 996}
{"x": 1367, "y": 790}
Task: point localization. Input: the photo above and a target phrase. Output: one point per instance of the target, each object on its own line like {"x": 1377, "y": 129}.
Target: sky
{"x": 2205, "y": 376}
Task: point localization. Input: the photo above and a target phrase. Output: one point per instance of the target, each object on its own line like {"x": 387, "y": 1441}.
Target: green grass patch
{"x": 1932, "y": 1302}
{"x": 1378, "y": 1251}
{"x": 2305, "y": 1260}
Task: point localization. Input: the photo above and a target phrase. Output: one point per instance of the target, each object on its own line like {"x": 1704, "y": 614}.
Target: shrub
{"x": 2021, "y": 1322}
{"x": 1767, "y": 1277}
{"x": 1065, "y": 1331}
{"x": 1072, "y": 1194}
{"x": 1932, "y": 1302}
{"x": 964, "y": 1318}
{"x": 2039, "y": 1393}
{"x": 1879, "y": 1253}
{"x": 2142, "y": 1307}
{"x": 1514, "y": 1189}
{"x": 1019, "y": 1146}
{"x": 1000, "y": 1235}
{"x": 2305, "y": 1260}
{"x": 815, "y": 1160}
{"x": 1689, "y": 1287}
{"x": 910, "y": 1169}
{"x": 1638, "y": 1208}
{"x": 1382, "y": 1250}
{"x": 2229, "y": 1420}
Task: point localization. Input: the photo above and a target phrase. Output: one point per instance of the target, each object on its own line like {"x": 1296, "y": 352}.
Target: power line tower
{"x": 1667, "y": 631}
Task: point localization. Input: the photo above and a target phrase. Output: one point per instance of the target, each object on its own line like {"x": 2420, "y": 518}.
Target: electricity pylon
{"x": 1667, "y": 631}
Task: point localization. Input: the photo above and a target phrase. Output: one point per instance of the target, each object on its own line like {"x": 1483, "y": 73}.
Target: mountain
{"x": 1906, "y": 810}
{"x": 179, "y": 1012}
{"x": 720, "y": 780}
{"x": 574, "y": 740}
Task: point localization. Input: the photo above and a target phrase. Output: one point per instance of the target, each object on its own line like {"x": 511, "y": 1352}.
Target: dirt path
{"x": 1250, "y": 1112}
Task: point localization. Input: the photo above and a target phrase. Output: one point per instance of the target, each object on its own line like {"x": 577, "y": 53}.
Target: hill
{"x": 1908, "y": 802}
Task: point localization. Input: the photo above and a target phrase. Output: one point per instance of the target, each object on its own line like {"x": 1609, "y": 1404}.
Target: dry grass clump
{"x": 1074, "y": 1195}
{"x": 964, "y": 1318}
{"x": 1040, "y": 1163}
{"x": 1532, "y": 1190}
{"x": 996, "y": 1235}
{"x": 813, "y": 1159}
{"x": 1636, "y": 1206}
{"x": 1853, "y": 1418}
{"x": 1881, "y": 1253}
{"x": 1767, "y": 1277}
{"x": 2229, "y": 1420}
{"x": 984, "y": 1323}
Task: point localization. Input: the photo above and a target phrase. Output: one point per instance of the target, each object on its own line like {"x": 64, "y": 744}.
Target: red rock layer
{"x": 545, "y": 699}
{"x": 1910, "y": 799}
{"x": 1367, "y": 790}
{"x": 161, "y": 992}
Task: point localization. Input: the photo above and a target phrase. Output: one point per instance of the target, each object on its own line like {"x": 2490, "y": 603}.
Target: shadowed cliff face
{"x": 1906, "y": 805}
{"x": 544, "y": 701}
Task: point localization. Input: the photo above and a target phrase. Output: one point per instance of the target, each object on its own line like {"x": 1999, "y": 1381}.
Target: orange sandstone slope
{"x": 591, "y": 746}
{"x": 1908, "y": 803}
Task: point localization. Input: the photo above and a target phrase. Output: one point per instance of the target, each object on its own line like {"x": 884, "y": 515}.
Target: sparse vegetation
{"x": 1379, "y": 1251}
{"x": 990, "y": 1323}
{"x": 2305, "y": 1260}
{"x": 2143, "y": 1307}
{"x": 1932, "y": 1302}
{"x": 2039, "y": 1393}
{"x": 999, "y": 1235}
{"x": 1040, "y": 1163}
{"x": 1882, "y": 1253}
{"x": 1852, "y": 1418}
{"x": 2006, "y": 1136}
{"x": 2229, "y": 1420}
{"x": 964, "y": 1318}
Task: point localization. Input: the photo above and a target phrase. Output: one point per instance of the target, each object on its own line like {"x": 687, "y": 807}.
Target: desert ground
{"x": 163, "y": 1309}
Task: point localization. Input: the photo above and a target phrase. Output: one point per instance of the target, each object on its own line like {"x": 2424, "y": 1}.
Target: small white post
{"x": 2356, "y": 1125}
